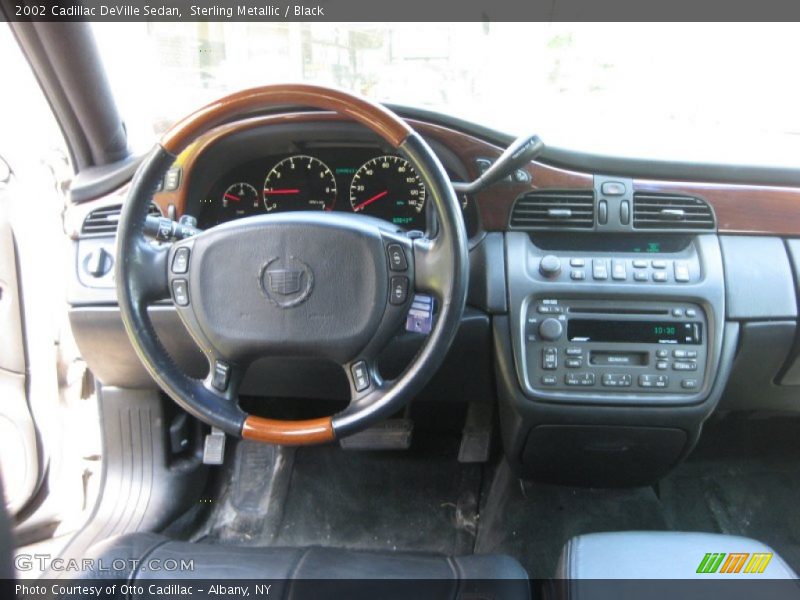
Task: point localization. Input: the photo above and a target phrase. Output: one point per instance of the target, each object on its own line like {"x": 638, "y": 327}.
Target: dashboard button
{"x": 618, "y": 270}
{"x": 397, "y": 258}
{"x": 659, "y": 264}
{"x": 689, "y": 384}
{"x": 399, "y": 292}
{"x": 549, "y": 359}
{"x": 180, "y": 292}
{"x": 691, "y": 313}
{"x": 659, "y": 276}
{"x": 602, "y": 212}
{"x": 640, "y": 276}
{"x": 577, "y": 275}
{"x": 581, "y": 379}
{"x": 180, "y": 262}
{"x": 616, "y": 380}
{"x": 577, "y": 262}
{"x": 684, "y": 366}
{"x": 662, "y": 353}
{"x": 653, "y": 381}
{"x": 613, "y": 188}
{"x": 662, "y": 365}
{"x": 573, "y": 363}
{"x": 599, "y": 269}
{"x": 572, "y": 351}
{"x": 625, "y": 212}
{"x": 549, "y": 380}
{"x": 681, "y": 272}
{"x": 640, "y": 264}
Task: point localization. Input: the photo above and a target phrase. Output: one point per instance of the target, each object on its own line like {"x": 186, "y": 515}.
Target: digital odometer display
{"x": 643, "y": 332}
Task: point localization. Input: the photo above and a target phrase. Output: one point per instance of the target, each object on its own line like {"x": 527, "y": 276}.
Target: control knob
{"x": 550, "y": 329}
{"x": 550, "y": 266}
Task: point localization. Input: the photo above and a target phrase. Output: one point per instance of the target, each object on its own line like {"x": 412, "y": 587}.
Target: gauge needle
{"x": 369, "y": 201}
{"x": 292, "y": 191}
{"x": 232, "y": 197}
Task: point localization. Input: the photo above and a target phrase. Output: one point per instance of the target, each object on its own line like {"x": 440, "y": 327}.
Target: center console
{"x": 614, "y": 352}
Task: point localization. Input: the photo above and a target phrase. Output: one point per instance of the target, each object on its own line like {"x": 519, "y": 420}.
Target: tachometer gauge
{"x": 388, "y": 187}
{"x": 299, "y": 183}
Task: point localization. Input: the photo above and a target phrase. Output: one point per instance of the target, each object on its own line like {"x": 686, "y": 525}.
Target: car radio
{"x": 587, "y": 345}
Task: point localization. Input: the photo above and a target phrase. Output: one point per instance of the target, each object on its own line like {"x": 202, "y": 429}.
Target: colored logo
{"x": 734, "y": 562}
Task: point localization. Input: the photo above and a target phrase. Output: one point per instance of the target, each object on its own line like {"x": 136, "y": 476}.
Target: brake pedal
{"x": 214, "y": 447}
{"x": 392, "y": 434}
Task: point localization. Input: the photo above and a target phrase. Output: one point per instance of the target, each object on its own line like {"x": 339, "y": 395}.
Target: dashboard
{"x": 353, "y": 179}
{"x": 609, "y": 315}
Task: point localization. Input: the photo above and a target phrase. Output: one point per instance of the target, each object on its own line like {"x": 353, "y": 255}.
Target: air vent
{"x": 554, "y": 209}
{"x": 103, "y": 221}
{"x": 669, "y": 211}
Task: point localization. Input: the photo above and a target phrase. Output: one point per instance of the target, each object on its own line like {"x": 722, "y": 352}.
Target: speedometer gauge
{"x": 299, "y": 183}
{"x": 388, "y": 187}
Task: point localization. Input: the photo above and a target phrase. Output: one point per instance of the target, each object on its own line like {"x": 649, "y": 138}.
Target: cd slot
{"x": 586, "y": 310}
{"x": 626, "y": 359}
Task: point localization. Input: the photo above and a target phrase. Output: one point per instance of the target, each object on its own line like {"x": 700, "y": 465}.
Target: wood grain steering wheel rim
{"x": 439, "y": 267}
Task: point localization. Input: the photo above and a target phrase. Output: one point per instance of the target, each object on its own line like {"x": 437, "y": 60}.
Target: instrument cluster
{"x": 355, "y": 180}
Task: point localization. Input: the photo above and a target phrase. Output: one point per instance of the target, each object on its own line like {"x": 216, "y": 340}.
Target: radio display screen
{"x": 637, "y": 332}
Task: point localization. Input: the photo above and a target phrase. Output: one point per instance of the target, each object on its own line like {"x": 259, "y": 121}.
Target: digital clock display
{"x": 641, "y": 332}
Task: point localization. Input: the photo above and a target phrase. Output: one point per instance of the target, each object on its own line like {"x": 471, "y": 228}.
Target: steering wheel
{"x": 329, "y": 286}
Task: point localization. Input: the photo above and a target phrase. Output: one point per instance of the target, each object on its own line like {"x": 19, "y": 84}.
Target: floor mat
{"x": 742, "y": 479}
{"x": 532, "y": 522}
{"x": 418, "y": 500}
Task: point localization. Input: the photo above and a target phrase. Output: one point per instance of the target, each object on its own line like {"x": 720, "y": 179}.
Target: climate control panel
{"x": 588, "y": 345}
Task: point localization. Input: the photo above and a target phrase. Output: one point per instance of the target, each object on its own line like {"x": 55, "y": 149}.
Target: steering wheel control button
{"x": 550, "y": 329}
{"x": 397, "y": 258}
{"x": 360, "y": 376}
{"x": 550, "y": 266}
{"x": 399, "y": 292}
{"x": 221, "y": 376}
{"x": 180, "y": 292}
{"x": 180, "y": 262}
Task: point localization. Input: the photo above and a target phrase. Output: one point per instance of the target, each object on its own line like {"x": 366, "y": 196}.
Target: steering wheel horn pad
{"x": 300, "y": 284}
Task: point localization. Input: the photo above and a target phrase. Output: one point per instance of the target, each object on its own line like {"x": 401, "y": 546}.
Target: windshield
{"x": 691, "y": 92}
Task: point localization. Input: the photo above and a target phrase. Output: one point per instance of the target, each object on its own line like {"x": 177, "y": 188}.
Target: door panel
{"x": 19, "y": 460}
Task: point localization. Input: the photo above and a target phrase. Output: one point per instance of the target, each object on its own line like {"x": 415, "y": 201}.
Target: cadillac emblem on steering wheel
{"x": 286, "y": 282}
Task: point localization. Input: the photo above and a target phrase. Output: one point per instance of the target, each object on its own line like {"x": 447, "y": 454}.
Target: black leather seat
{"x": 296, "y": 572}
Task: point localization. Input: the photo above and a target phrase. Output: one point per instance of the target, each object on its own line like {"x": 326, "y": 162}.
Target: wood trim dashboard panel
{"x": 740, "y": 209}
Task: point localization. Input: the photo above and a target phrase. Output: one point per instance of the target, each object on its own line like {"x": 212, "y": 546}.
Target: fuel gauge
{"x": 241, "y": 198}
